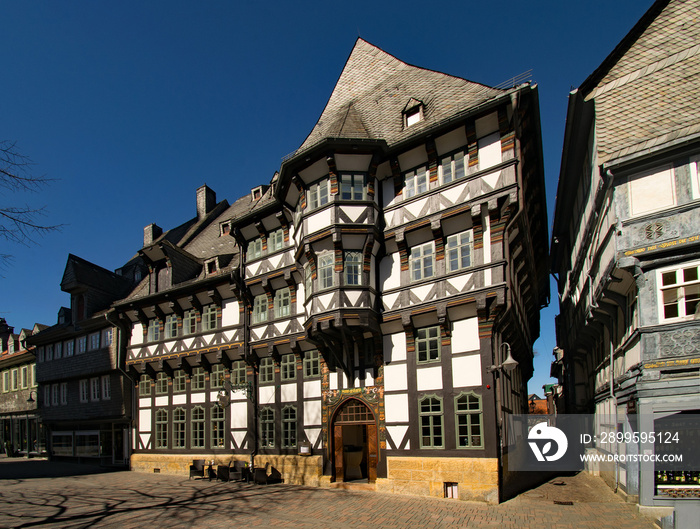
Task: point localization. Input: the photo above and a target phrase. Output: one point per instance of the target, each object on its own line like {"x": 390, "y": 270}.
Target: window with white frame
{"x": 325, "y": 270}
{"x": 47, "y": 395}
{"x": 255, "y": 248}
{"x": 153, "y": 334}
{"x": 458, "y": 250}
{"x": 422, "y": 261}
{"x": 49, "y": 353}
{"x": 428, "y": 344}
{"x": 317, "y": 195}
{"x": 54, "y": 395}
{"x": 353, "y": 268}
{"x": 308, "y": 280}
{"x": 64, "y": 393}
{"x": 15, "y": 379}
{"x": 415, "y": 182}
{"x": 106, "y": 387}
{"x": 680, "y": 292}
{"x": 282, "y": 303}
{"x": 413, "y": 115}
{"x": 32, "y": 376}
{"x": 5, "y": 381}
{"x": 57, "y": 350}
{"x": 210, "y": 320}
{"x": 24, "y": 378}
{"x": 267, "y": 370}
{"x": 82, "y": 344}
{"x": 276, "y": 240}
{"x": 260, "y": 308}
{"x": 171, "y": 326}
{"x": 189, "y": 322}
{"x": 353, "y": 186}
{"x": 94, "y": 389}
{"x": 69, "y": 348}
{"x": 288, "y": 367}
{"x": 94, "y": 341}
{"x": 84, "y": 392}
{"x": 452, "y": 168}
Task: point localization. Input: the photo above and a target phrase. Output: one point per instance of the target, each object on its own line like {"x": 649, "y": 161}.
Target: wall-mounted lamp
{"x": 30, "y": 400}
{"x": 509, "y": 364}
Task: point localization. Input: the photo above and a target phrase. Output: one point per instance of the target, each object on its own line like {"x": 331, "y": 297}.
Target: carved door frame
{"x": 372, "y": 442}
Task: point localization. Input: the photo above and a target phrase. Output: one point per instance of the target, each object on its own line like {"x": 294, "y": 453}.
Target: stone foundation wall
{"x": 477, "y": 478}
{"x": 296, "y": 470}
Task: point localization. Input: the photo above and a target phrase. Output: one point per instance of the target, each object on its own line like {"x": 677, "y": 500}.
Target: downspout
{"x": 122, "y": 347}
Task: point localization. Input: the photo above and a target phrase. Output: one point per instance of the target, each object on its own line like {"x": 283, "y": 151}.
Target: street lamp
{"x": 509, "y": 364}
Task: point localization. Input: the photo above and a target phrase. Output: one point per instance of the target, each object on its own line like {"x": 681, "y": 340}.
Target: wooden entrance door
{"x": 355, "y": 413}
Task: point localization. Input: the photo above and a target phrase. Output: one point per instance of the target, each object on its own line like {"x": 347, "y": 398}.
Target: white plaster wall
{"x": 288, "y": 392}
{"x": 397, "y": 433}
{"x": 312, "y": 412}
{"x": 395, "y": 377}
{"x": 466, "y": 371}
{"x": 352, "y": 162}
{"x": 198, "y": 398}
{"x": 394, "y": 347}
{"x": 266, "y": 394}
{"x": 652, "y": 190}
{"x": 144, "y": 403}
{"x": 319, "y": 221}
{"x": 465, "y": 335}
{"x": 161, "y": 401}
{"x": 333, "y": 380}
{"x": 229, "y": 313}
{"x": 179, "y": 399}
{"x": 429, "y": 378}
{"x": 489, "y": 151}
{"x": 312, "y": 388}
{"x": 451, "y": 141}
{"x": 390, "y": 271}
{"x": 136, "y": 334}
{"x": 239, "y": 415}
{"x": 413, "y": 158}
{"x": 396, "y": 408}
{"x": 312, "y": 434}
{"x": 145, "y": 420}
{"x": 354, "y": 212}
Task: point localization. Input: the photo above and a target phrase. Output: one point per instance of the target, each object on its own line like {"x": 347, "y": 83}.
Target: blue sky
{"x": 132, "y": 105}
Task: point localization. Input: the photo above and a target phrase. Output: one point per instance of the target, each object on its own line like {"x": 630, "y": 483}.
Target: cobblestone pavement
{"x": 63, "y": 498}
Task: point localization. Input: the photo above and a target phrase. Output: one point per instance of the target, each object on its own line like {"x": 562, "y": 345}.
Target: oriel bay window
{"x": 458, "y": 251}
{"x": 267, "y": 428}
{"x": 282, "y": 303}
{"x": 325, "y": 270}
{"x": 197, "y": 427}
{"x": 430, "y": 414}
{"x": 255, "y": 248}
{"x": 353, "y": 268}
{"x": 469, "y": 420}
{"x": 353, "y": 187}
{"x": 289, "y": 427}
{"x": 680, "y": 291}
{"x": 260, "y": 308}
{"x": 422, "y": 261}
{"x": 415, "y": 182}
{"x": 317, "y": 194}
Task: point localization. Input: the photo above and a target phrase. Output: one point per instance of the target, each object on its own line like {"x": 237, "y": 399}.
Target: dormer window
{"x": 211, "y": 266}
{"x": 413, "y": 112}
{"x": 256, "y": 193}
{"x": 225, "y": 228}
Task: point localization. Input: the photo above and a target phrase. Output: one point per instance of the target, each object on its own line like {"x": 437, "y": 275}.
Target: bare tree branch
{"x": 20, "y": 225}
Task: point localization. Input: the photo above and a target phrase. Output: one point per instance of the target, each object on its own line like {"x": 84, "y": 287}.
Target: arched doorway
{"x": 355, "y": 450}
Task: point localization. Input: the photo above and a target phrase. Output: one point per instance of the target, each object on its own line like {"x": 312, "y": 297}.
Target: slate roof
{"x": 78, "y": 271}
{"x": 373, "y": 90}
{"x": 647, "y": 91}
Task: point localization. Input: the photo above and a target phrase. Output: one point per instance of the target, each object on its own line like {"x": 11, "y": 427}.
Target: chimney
{"x": 206, "y": 200}
{"x": 151, "y": 233}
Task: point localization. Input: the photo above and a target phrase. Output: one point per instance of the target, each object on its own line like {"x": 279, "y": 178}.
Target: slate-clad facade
{"x": 338, "y": 323}
{"x": 625, "y": 246}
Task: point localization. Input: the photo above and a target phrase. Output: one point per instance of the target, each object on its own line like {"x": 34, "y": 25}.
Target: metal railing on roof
{"x": 524, "y": 77}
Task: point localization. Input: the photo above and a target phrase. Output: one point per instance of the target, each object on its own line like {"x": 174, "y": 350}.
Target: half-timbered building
{"x": 341, "y": 323}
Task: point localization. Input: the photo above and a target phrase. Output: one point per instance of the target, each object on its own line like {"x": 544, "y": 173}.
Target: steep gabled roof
{"x": 373, "y": 90}
{"x": 82, "y": 273}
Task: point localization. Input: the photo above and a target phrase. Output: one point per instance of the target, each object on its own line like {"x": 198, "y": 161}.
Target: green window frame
{"x": 198, "y": 378}
{"x": 312, "y": 364}
{"x": 171, "y": 326}
{"x": 189, "y": 322}
{"x": 431, "y": 424}
{"x": 218, "y": 425}
{"x": 276, "y": 240}
{"x": 161, "y": 384}
{"x": 260, "y": 308}
{"x": 210, "y": 318}
{"x": 255, "y": 248}
{"x": 469, "y": 420}
{"x": 218, "y": 376}
{"x": 428, "y": 343}
{"x": 289, "y": 427}
{"x": 267, "y": 428}
{"x": 179, "y": 381}
{"x": 238, "y": 373}
{"x": 283, "y": 303}
{"x": 288, "y": 367}
{"x": 415, "y": 182}
{"x": 161, "y": 437}
{"x": 179, "y": 426}
{"x": 153, "y": 333}
{"x": 267, "y": 370}
{"x": 325, "y": 270}
{"x": 198, "y": 421}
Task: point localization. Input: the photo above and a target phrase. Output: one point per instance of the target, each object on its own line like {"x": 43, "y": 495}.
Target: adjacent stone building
{"x": 626, "y": 244}
{"x": 339, "y": 323}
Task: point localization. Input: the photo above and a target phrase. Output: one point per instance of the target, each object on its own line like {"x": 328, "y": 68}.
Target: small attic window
{"x": 211, "y": 266}
{"x": 225, "y": 228}
{"x": 256, "y": 193}
{"x": 413, "y": 112}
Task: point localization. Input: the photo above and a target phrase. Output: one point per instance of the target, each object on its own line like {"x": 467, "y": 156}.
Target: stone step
{"x": 353, "y": 485}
